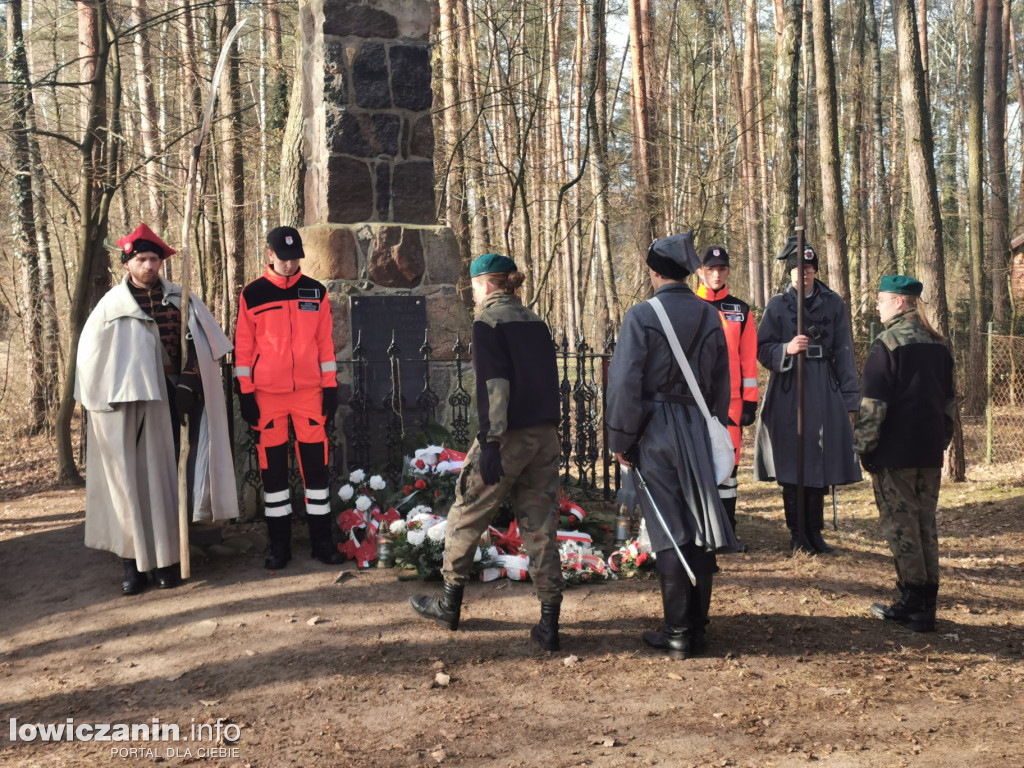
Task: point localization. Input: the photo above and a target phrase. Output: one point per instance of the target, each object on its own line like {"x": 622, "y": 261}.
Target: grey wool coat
{"x": 131, "y": 487}
{"x": 673, "y": 452}
{"x": 830, "y": 393}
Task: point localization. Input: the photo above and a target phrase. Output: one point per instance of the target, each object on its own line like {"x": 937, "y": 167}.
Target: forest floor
{"x": 300, "y": 668}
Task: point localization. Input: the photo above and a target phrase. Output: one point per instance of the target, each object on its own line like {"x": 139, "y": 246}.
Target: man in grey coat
{"x": 655, "y": 425}
{"x": 831, "y": 396}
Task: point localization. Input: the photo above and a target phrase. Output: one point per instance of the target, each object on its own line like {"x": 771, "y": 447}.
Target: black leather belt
{"x": 668, "y": 397}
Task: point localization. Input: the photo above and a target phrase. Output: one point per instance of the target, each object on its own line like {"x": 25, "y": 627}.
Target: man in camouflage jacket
{"x": 905, "y": 424}
{"x": 516, "y": 452}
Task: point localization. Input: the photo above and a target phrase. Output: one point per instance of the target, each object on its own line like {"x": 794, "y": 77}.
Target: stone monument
{"x": 370, "y": 227}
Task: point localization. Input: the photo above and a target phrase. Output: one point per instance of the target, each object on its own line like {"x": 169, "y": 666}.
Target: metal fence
{"x": 393, "y": 405}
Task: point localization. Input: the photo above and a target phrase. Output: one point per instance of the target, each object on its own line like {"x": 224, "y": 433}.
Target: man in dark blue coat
{"x": 653, "y": 421}
{"x": 831, "y": 398}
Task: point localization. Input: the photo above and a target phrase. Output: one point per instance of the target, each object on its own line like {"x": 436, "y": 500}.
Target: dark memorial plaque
{"x": 376, "y": 322}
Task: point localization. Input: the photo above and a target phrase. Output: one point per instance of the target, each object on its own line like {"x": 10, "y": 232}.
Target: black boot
{"x": 674, "y": 638}
{"x": 931, "y": 596}
{"x": 730, "y": 511}
{"x": 168, "y": 577}
{"x": 279, "y": 529}
{"x": 699, "y": 607}
{"x": 321, "y": 540}
{"x": 546, "y": 632}
{"x": 444, "y": 610}
{"x": 910, "y": 610}
{"x": 814, "y": 509}
{"x": 133, "y": 581}
{"x": 797, "y": 540}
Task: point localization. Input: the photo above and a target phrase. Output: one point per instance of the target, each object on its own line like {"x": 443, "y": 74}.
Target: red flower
{"x": 641, "y": 558}
{"x": 437, "y": 494}
{"x": 419, "y": 464}
{"x": 421, "y": 484}
{"x": 406, "y": 489}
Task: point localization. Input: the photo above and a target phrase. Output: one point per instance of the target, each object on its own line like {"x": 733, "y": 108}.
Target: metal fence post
{"x": 988, "y": 399}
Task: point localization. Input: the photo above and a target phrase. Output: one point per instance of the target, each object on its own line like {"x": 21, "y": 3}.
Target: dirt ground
{"x": 307, "y": 670}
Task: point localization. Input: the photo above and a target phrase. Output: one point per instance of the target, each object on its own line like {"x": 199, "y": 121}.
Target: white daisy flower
{"x": 397, "y": 527}
{"x": 363, "y": 503}
{"x": 357, "y": 476}
{"x": 415, "y": 538}
{"x": 377, "y": 483}
{"x": 346, "y": 492}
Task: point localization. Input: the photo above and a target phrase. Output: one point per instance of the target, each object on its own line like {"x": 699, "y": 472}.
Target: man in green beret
{"x": 904, "y": 425}
{"x": 515, "y": 453}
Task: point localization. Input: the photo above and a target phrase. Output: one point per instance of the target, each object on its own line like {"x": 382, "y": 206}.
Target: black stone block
{"x": 370, "y": 77}
{"x": 412, "y": 198}
{"x": 349, "y": 190}
{"x": 351, "y": 17}
{"x": 363, "y": 134}
{"x": 410, "y": 76}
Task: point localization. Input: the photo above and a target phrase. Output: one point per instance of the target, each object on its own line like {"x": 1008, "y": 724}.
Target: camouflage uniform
{"x": 904, "y": 425}
{"x": 517, "y": 401}
{"x": 530, "y": 460}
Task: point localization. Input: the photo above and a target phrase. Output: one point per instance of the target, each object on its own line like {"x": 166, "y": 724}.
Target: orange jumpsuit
{"x": 741, "y": 338}
{"x": 284, "y": 352}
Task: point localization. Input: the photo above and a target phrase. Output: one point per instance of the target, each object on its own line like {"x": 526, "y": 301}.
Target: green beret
{"x": 489, "y": 263}
{"x": 902, "y": 284}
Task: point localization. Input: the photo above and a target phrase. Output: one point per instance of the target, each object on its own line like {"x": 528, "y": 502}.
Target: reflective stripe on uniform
{"x": 328, "y": 367}
{"x": 317, "y": 494}
{"x": 243, "y": 370}
{"x": 749, "y": 383}
{"x": 317, "y": 509}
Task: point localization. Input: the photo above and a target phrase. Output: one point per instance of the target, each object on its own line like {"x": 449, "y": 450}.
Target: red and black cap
{"x": 143, "y": 240}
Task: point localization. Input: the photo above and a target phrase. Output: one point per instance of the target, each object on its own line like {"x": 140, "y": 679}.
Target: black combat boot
{"x": 546, "y": 632}
{"x": 168, "y": 577}
{"x": 279, "y": 529}
{"x": 910, "y": 610}
{"x": 133, "y": 581}
{"x": 444, "y": 610}
{"x": 674, "y": 638}
{"x": 931, "y": 596}
{"x": 814, "y": 514}
{"x": 797, "y": 541}
{"x": 321, "y": 540}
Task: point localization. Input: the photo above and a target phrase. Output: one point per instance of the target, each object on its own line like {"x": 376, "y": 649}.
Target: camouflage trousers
{"x": 907, "y": 499}
{"x": 529, "y": 458}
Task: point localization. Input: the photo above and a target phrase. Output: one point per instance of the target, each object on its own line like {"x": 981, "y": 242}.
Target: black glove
{"x": 490, "y": 463}
{"x": 185, "y": 401}
{"x": 749, "y": 413}
{"x": 330, "y": 404}
{"x": 868, "y": 464}
{"x": 250, "y": 410}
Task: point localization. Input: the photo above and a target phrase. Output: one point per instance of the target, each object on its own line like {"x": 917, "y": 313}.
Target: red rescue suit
{"x": 741, "y": 338}
{"x": 284, "y": 352}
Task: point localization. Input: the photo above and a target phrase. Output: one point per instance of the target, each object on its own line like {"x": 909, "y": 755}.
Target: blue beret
{"x": 489, "y": 263}
{"x": 673, "y": 257}
{"x": 902, "y": 284}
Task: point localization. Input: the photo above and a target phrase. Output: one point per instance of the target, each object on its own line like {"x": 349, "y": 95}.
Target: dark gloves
{"x": 330, "y": 404}
{"x": 868, "y": 464}
{"x": 490, "y": 463}
{"x": 250, "y": 410}
{"x": 185, "y": 400}
{"x": 749, "y": 413}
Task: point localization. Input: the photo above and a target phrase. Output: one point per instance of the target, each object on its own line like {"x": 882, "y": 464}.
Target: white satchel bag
{"x": 723, "y": 453}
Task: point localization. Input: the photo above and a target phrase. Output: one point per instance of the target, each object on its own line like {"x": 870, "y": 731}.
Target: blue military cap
{"x": 490, "y": 263}
{"x": 907, "y": 286}
{"x": 673, "y": 257}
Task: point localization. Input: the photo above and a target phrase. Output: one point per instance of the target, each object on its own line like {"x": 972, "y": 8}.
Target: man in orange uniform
{"x": 285, "y": 369}
{"x": 741, "y": 337}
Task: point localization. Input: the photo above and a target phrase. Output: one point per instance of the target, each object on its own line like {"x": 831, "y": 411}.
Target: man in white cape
{"x": 130, "y": 383}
